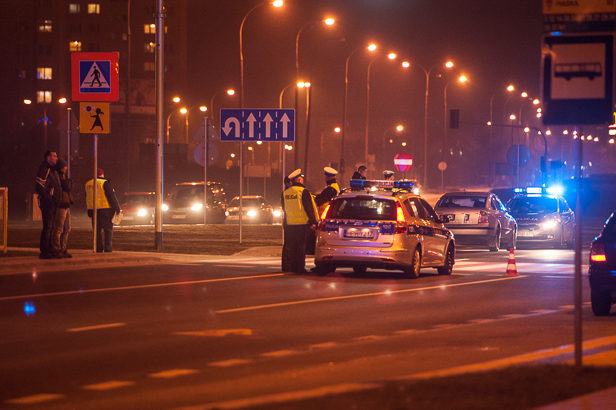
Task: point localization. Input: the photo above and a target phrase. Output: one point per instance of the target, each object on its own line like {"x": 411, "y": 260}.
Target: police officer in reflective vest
{"x": 300, "y": 215}
{"x": 107, "y": 206}
{"x": 330, "y": 191}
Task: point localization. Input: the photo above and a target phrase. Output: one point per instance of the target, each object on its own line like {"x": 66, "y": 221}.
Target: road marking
{"x": 229, "y": 363}
{"x": 405, "y": 332}
{"x": 216, "y": 332}
{"x": 512, "y": 315}
{"x": 84, "y": 329}
{"x": 280, "y": 353}
{"x": 479, "y": 321}
{"x": 169, "y": 374}
{"x": 542, "y": 311}
{"x": 363, "y": 295}
{"x": 369, "y": 337}
{"x": 325, "y": 345}
{"x": 114, "y": 384}
{"x": 36, "y": 398}
{"x": 156, "y": 285}
{"x": 598, "y": 359}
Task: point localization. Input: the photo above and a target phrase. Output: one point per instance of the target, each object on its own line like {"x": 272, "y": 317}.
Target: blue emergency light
{"x": 537, "y": 190}
{"x": 381, "y": 184}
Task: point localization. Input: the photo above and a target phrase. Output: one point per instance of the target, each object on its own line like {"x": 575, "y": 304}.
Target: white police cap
{"x": 330, "y": 171}
{"x": 295, "y": 174}
{"x": 387, "y": 173}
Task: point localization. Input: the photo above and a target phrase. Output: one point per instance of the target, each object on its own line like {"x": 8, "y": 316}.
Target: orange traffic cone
{"x": 511, "y": 269}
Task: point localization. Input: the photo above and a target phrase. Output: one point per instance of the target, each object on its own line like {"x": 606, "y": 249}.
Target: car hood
{"x": 531, "y": 218}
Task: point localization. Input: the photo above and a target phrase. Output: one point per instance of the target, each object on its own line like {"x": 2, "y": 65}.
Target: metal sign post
{"x": 94, "y": 191}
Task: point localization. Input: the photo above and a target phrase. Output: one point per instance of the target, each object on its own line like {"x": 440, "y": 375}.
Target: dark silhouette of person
{"x": 97, "y": 77}
{"x": 97, "y": 121}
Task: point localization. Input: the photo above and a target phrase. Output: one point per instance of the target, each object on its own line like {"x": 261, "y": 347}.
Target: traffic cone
{"x": 511, "y": 269}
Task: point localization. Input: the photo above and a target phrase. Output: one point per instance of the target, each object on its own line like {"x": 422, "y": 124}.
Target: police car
{"x": 543, "y": 217}
{"x": 383, "y": 225}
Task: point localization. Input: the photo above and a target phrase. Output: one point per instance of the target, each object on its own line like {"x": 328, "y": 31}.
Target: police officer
{"x": 360, "y": 173}
{"x": 388, "y": 175}
{"x": 300, "y": 215}
{"x": 330, "y": 191}
{"x": 107, "y": 206}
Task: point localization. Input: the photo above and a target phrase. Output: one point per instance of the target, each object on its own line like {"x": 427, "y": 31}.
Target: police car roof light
{"x": 555, "y": 190}
{"x": 534, "y": 190}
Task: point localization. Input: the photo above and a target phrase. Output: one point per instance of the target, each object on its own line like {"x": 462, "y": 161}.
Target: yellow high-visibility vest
{"x": 101, "y": 198}
{"x": 295, "y": 212}
{"x": 324, "y": 205}
{"x": 335, "y": 185}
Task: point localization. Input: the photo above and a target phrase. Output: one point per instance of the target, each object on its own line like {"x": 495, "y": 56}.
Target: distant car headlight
{"x": 252, "y": 213}
{"x": 142, "y": 212}
{"x": 549, "y": 224}
{"x": 165, "y": 207}
{"x": 416, "y": 191}
{"x": 196, "y": 207}
{"x": 226, "y": 213}
{"x": 277, "y": 213}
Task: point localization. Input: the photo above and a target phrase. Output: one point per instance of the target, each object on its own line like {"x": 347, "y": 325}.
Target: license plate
{"x": 128, "y": 218}
{"x": 359, "y": 233}
{"x": 525, "y": 233}
{"x": 178, "y": 217}
{"x": 233, "y": 217}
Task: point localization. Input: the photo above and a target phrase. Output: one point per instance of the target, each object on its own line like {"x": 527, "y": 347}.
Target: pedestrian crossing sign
{"x": 94, "y": 118}
{"x": 95, "y": 76}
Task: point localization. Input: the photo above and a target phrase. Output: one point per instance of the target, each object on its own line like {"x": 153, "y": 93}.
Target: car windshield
{"x": 247, "y": 202}
{"x": 366, "y": 208}
{"x": 462, "y": 202}
{"x": 134, "y": 200}
{"x": 533, "y": 205}
{"x": 189, "y": 192}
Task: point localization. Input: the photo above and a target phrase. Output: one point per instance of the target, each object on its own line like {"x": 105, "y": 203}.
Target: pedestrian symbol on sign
{"x": 93, "y": 76}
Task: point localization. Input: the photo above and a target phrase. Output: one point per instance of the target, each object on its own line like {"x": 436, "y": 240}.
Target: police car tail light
{"x": 321, "y": 226}
{"x": 483, "y": 217}
{"x": 400, "y": 219}
{"x": 597, "y": 252}
{"x": 325, "y": 211}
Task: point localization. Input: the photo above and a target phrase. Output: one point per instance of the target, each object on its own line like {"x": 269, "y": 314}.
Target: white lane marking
{"x": 368, "y": 337}
{"x": 156, "y": 285}
{"x": 280, "y": 353}
{"x": 479, "y": 321}
{"x": 326, "y": 345}
{"x": 512, "y": 315}
{"x": 229, "y": 363}
{"x": 216, "y": 332}
{"x": 84, "y": 329}
{"x": 114, "y": 384}
{"x": 405, "y": 332}
{"x": 169, "y": 374}
{"x": 363, "y": 295}
{"x": 36, "y": 398}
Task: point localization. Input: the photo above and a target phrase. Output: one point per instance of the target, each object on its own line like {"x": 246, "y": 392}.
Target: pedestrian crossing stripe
{"x": 94, "y": 76}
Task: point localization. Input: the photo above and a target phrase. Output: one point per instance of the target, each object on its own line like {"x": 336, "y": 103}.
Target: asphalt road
{"x": 186, "y": 334}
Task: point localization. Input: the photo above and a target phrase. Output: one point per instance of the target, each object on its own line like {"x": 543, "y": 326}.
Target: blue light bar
{"x": 534, "y": 190}
{"x": 556, "y": 190}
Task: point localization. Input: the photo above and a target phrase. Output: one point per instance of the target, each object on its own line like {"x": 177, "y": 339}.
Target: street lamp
{"x": 45, "y": 118}
{"x": 186, "y": 111}
{"x": 510, "y": 88}
{"x": 181, "y": 110}
{"x": 371, "y": 47}
{"x": 391, "y": 56}
{"x": 461, "y": 79}
{"x": 448, "y": 64}
{"x": 398, "y": 128}
{"x": 229, "y": 92}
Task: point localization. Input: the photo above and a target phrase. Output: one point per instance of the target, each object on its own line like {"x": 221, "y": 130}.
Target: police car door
{"x": 435, "y": 238}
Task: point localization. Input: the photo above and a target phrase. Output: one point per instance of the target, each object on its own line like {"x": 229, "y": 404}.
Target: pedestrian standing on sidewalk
{"x": 49, "y": 195}
{"x": 62, "y": 221}
{"x": 107, "y": 206}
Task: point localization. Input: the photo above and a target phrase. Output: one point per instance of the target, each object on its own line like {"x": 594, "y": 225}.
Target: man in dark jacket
{"x": 49, "y": 195}
{"x": 360, "y": 173}
{"x": 107, "y": 206}
{"x": 62, "y": 221}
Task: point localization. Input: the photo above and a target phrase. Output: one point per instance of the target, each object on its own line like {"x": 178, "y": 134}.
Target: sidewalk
{"x": 600, "y": 400}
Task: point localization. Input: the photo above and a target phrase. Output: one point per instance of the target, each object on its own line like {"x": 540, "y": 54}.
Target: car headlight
{"x": 226, "y": 213}
{"x": 416, "y": 191}
{"x": 196, "y": 207}
{"x": 252, "y": 213}
{"x": 549, "y": 224}
{"x": 165, "y": 207}
{"x": 142, "y": 212}
{"x": 277, "y": 214}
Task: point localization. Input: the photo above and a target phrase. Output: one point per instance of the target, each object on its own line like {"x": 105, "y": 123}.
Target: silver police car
{"x": 383, "y": 225}
{"x": 478, "y": 218}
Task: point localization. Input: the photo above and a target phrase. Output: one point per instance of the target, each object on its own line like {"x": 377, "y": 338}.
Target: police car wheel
{"x": 447, "y": 268}
{"x": 496, "y": 242}
{"x": 413, "y": 271}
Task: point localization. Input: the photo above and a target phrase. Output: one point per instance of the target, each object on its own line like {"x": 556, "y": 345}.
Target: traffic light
{"x": 454, "y": 119}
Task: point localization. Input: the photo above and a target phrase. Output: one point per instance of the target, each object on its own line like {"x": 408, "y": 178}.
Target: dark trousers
{"x": 48, "y": 212}
{"x": 104, "y": 224}
{"x": 294, "y": 249}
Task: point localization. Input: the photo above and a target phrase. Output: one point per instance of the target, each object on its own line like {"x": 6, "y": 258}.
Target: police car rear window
{"x": 462, "y": 202}
{"x": 529, "y": 204}
{"x": 363, "y": 208}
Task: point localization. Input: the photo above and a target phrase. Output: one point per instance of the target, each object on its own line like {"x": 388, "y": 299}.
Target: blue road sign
{"x": 94, "y": 76}
{"x": 257, "y": 124}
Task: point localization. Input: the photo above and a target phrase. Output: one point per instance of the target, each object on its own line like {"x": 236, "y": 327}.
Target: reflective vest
{"x": 101, "y": 198}
{"x": 335, "y": 185}
{"x": 295, "y": 212}
{"x": 324, "y": 205}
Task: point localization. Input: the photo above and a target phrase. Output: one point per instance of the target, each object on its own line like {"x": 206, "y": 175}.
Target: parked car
{"x": 602, "y": 269}
{"x": 138, "y": 208}
{"x": 383, "y": 225}
{"x": 184, "y": 204}
{"x": 255, "y": 209}
{"x": 478, "y": 218}
{"x": 543, "y": 218}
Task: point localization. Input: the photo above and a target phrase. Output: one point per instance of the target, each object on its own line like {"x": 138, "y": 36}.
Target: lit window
{"x": 45, "y": 27}
{"x": 149, "y": 28}
{"x": 74, "y": 8}
{"x": 43, "y": 96}
{"x": 94, "y": 8}
{"x": 43, "y": 73}
{"x": 75, "y": 46}
{"x": 149, "y": 66}
{"x": 149, "y": 47}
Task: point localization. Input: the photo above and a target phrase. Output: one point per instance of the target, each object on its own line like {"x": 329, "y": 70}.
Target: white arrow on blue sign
{"x": 257, "y": 124}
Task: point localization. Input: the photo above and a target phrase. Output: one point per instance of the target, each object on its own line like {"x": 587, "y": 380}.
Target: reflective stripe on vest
{"x": 295, "y": 213}
{"x": 101, "y": 198}
{"x": 335, "y": 185}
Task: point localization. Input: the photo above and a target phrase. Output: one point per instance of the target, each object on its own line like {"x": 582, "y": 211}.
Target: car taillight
{"x": 597, "y": 252}
{"x": 321, "y": 225}
{"x": 400, "y": 219}
{"x": 483, "y": 217}
{"x": 324, "y": 213}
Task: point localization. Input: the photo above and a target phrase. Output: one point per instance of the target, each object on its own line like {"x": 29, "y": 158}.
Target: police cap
{"x": 387, "y": 173}
{"x": 330, "y": 171}
{"x": 295, "y": 174}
